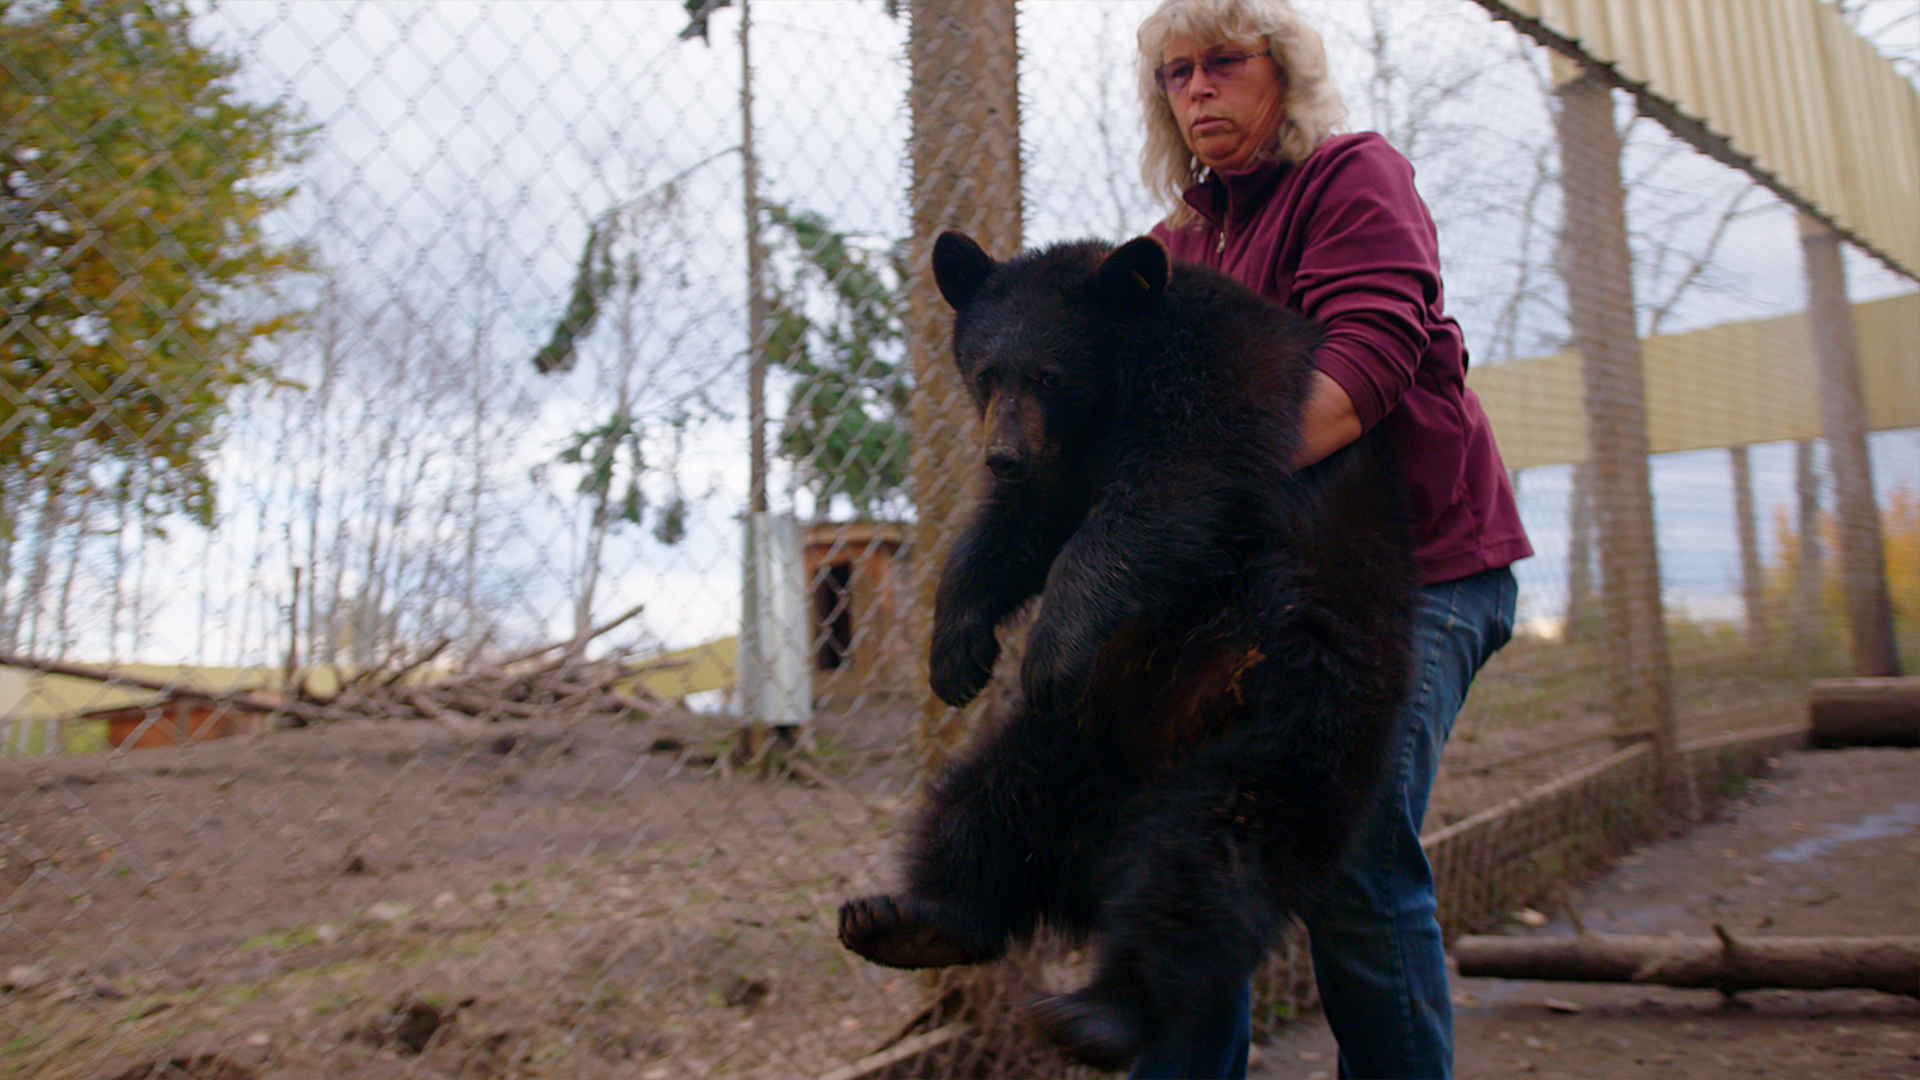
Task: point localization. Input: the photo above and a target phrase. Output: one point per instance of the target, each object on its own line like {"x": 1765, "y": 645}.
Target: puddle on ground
{"x": 1901, "y": 819}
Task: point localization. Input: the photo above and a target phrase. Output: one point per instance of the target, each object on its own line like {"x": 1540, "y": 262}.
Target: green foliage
{"x": 836, "y": 325}
{"x": 1900, "y": 548}
{"x": 591, "y": 280}
{"x": 612, "y": 454}
{"x": 133, "y": 186}
{"x": 598, "y": 449}
{"x": 698, "y": 12}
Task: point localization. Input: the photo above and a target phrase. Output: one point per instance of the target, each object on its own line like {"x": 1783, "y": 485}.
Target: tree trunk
{"x": 1890, "y": 964}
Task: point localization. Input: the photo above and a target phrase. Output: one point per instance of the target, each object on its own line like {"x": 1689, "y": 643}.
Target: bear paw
{"x": 902, "y": 932}
{"x": 961, "y": 664}
{"x": 1092, "y": 1029}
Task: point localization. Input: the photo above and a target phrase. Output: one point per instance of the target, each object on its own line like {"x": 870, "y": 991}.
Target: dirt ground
{"x": 373, "y": 900}
{"x": 384, "y": 900}
{"x": 1829, "y": 844}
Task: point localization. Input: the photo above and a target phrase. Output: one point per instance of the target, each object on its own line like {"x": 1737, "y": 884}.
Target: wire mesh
{"x": 375, "y": 424}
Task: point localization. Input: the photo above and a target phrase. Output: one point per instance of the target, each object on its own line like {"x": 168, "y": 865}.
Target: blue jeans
{"x": 1377, "y": 952}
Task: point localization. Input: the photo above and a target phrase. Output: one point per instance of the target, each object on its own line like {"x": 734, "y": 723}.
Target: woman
{"x": 1240, "y": 115}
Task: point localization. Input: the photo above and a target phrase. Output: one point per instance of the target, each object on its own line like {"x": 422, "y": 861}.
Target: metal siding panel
{"x": 1620, "y": 38}
{"x": 1728, "y": 385}
{"x": 1777, "y": 47}
{"x": 1903, "y": 185}
{"x": 1834, "y": 146}
{"x": 1767, "y": 115}
{"x": 1736, "y": 119}
{"x": 1677, "y": 33}
{"x": 1888, "y": 199}
{"x": 1807, "y": 95}
{"x": 1717, "y": 41}
{"x": 1554, "y": 13}
{"x": 1639, "y": 58}
{"x": 1804, "y": 129}
{"x": 1834, "y": 37}
{"x": 1594, "y": 29}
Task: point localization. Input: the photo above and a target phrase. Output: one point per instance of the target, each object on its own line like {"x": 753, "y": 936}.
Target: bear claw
{"x": 904, "y": 933}
{"x": 1092, "y": 1031}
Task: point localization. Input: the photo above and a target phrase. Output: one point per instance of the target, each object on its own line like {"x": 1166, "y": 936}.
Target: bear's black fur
{"x": 1218, "y": 661}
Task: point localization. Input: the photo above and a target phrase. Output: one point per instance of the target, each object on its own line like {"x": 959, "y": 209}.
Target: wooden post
{"x": 1809, "y": 621}
{"x": 1843, "y": 419}
{"x": 965, "y": 155}
{"x": 1753, "y": 581}
{"x": 966, "y": 175}
{"x": 1598, "y": 269}
{"x": 1580, "y": 554}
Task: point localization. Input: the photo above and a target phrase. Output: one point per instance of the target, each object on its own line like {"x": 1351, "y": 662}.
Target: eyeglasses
{"x": 1174, "y": 75}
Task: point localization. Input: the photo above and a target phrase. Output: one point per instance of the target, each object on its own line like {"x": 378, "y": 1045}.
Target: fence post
{"x": 966, "y": 175}
{"x": 965, "y": 157}
{"x": 1807, "y": 618}
{"x": 1753, "y": 583}
{"x": 1598, "y": 269}
{"x": 1843, "y": 420}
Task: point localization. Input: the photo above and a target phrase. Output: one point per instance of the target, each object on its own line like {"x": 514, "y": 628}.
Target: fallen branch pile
{"x": 529, "y": 685}
{"x": 554, "y": 681}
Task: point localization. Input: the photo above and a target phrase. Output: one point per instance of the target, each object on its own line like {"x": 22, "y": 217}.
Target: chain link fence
{"x": 398, "y": 414}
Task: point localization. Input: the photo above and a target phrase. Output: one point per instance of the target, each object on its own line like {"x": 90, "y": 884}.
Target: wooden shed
{"x": 181, "y": 716}
{"x": 860, "y": 597}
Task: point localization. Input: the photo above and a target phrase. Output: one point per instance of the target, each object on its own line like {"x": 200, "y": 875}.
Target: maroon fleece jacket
{"x": 1344, "y": 238}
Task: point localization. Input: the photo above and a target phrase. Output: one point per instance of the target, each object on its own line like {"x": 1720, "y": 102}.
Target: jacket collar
{"x": 1231, "y": 198}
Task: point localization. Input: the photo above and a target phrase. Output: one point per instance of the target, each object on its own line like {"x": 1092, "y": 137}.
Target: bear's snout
{"x": 1015, "y": 429}
{"x": 1006, "y": 462}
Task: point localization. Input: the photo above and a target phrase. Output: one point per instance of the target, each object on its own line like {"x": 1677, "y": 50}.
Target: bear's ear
{"x": 1134, "y": 273}
{"x": 959, "y": 267}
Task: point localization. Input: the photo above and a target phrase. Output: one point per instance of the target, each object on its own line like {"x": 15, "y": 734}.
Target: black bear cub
{"x": 1219, "y": 658}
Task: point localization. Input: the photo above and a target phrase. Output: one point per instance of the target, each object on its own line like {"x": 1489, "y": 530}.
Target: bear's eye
{"x": 984, "y": 381}
{"x": 1050, "y": 380}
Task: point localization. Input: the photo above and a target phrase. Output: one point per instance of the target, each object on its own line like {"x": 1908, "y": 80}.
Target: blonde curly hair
{"x": 1313, "y": 106}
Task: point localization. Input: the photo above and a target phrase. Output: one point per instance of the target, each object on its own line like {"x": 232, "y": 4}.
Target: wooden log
{"x": 457, "y": 723}
{"x": 1724, "y": 963}
{"x": 1866, "y": 712}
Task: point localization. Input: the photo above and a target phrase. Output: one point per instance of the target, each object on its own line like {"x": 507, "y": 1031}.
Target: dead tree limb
{"x": 570, "y": 644}
{"x": 413, "y": 665}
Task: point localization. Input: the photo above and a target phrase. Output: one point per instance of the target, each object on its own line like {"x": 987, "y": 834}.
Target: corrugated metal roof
{"x": 1802, "y": 100}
